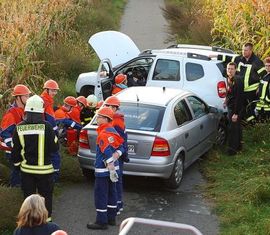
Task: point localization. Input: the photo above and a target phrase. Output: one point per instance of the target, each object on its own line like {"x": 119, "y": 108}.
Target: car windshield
{"x": 142, "y": 117}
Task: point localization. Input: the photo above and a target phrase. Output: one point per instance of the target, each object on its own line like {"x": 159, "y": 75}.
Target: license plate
{"x": 131, "y": 148}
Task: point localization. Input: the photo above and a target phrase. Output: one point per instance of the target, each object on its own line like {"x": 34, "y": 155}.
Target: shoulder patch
{"x": 111, "y": 139}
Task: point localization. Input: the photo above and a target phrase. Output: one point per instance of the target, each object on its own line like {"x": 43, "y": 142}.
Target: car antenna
{"x": 137, "y": 99}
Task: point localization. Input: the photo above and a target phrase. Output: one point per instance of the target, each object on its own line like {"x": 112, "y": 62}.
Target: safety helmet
{"x": 92, "y": 101}
{"x": 106, "y": 112}
{"x": 120, "y": 78}
{"x": 112, "y": 101}
{"x": 59, "y": 232}
{"x": 71, "y": 101}
{"x": 20, "y": 90}
{"x": 34, "y": 104}
{"x": 82, "y": 100}
{"x": 51, "y": 84}
{"x": 99, "y": 104}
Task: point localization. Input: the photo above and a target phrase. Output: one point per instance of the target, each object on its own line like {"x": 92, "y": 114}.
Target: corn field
{"x": 237, "y": 22}
{"x": 28, "y": 26}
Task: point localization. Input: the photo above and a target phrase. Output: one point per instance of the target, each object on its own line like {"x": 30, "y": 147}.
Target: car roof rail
{"x": 201, "y": 47}
{"x": 221, "y": 49}
{"x": 197, "y": 56}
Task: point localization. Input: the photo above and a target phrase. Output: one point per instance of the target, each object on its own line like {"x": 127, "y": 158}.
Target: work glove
{"x": 113, "y": 176}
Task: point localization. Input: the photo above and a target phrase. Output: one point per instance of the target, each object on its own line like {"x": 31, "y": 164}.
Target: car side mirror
{"x": 212, "y": 109}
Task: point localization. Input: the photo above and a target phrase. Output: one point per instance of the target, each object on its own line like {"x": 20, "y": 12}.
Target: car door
{"x": 188, "y": 130}
{"x": 204, "y": 121}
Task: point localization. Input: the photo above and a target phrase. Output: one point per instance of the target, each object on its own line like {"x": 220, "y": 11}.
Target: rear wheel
{"x": 221, "y": 134}
{"x": 177, "y": 174}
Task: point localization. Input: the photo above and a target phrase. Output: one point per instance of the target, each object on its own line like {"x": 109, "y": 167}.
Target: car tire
{"x": 221, "y": 134}
{"x": 177, "y": 174}
{"x": 87, "y": 90}
{"x": 88, "y": 174}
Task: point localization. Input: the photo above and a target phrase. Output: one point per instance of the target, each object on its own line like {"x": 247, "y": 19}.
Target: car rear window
{"x": 194, "y": 71}
{"x": 142, "y": 117}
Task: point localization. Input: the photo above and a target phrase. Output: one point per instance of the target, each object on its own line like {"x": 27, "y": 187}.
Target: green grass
{"x": 240, "y": 185}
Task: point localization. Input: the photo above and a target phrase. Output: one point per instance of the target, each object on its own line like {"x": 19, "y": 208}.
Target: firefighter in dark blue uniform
{"x": 34, "y": 140}
{"x": 106, "y": 170}
{"x": 119, "y": 125}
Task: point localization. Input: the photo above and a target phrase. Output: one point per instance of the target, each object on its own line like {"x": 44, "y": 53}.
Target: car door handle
{"x": 201, "y": 127}
{"x": 186, "y": 135}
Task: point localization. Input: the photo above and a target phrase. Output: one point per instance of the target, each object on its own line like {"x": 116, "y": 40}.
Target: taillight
{"x": 83, "y": 140}
{"x": 160, "y": 148}
{"x": 221, "y": 89}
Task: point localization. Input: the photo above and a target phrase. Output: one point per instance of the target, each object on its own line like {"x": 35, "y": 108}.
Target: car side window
{"x": 194, "y": 71}
{"x": 198, "y": 106}
{"x": 181, "y": 113}
{"x": 167, "y": 70}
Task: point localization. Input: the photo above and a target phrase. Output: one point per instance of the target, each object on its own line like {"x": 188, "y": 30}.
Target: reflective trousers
{"x": 105, "y": 199}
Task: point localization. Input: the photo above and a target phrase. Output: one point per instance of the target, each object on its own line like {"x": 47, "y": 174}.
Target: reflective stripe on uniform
{"x": 101, "y": 170}
{"x": 100, "y": 210}
{"x": 112, "y": 206}
{"x": 39, "y": 172}
{"x": 7, "y": 140}
{"x": 261, "y": 70}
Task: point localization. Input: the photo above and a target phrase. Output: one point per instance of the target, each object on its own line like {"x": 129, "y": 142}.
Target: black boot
{"x": 97, "y": 226}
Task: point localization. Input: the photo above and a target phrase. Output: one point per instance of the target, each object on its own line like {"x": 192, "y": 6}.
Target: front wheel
{"x": 177, "y": 174}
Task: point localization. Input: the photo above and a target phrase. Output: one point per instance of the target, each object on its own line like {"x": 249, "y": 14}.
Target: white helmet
{"x": 34, "y": 104}
{"x": 92, "y": 101}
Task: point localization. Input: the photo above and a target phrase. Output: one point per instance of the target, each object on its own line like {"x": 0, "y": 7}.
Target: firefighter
{"x": 34, "y": 140}
{"x": 119, "y": 125}
{"x": 251, "y": 70}
{"x": 11, "y": 118}
{"x": 68, "y": 127}
{"x": 263, "y": 106}
{"x": 89, "y": 112}
{"x": 234, "y": 103}
{"x": 120, "y": 83}
{"x": 108, "y": 141}
{"x": 51, "y": 89}
{"x": 85, "y": 111}
{"x": 63, "y": 117}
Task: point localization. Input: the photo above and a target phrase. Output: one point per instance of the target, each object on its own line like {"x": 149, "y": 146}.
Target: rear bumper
{"x": 160, "y": 167}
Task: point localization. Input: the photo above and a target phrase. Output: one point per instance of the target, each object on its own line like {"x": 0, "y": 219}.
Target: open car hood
{"x": 116, "y": 46}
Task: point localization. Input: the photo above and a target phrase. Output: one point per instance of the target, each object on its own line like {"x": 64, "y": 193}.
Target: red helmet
{"x": 51, "y": 84}
{"x": 20, "y": 90}
{"x": 82, "y": 100}
{"x": 99, "y": 104}
{"x": 112, "y": 101}
{"x": 120, "y": 78}
{"x": 71, "y": 101}
{"x": 106, "y": 112}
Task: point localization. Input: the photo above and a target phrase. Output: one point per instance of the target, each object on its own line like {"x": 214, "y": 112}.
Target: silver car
{"x": 168, "y": 129}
